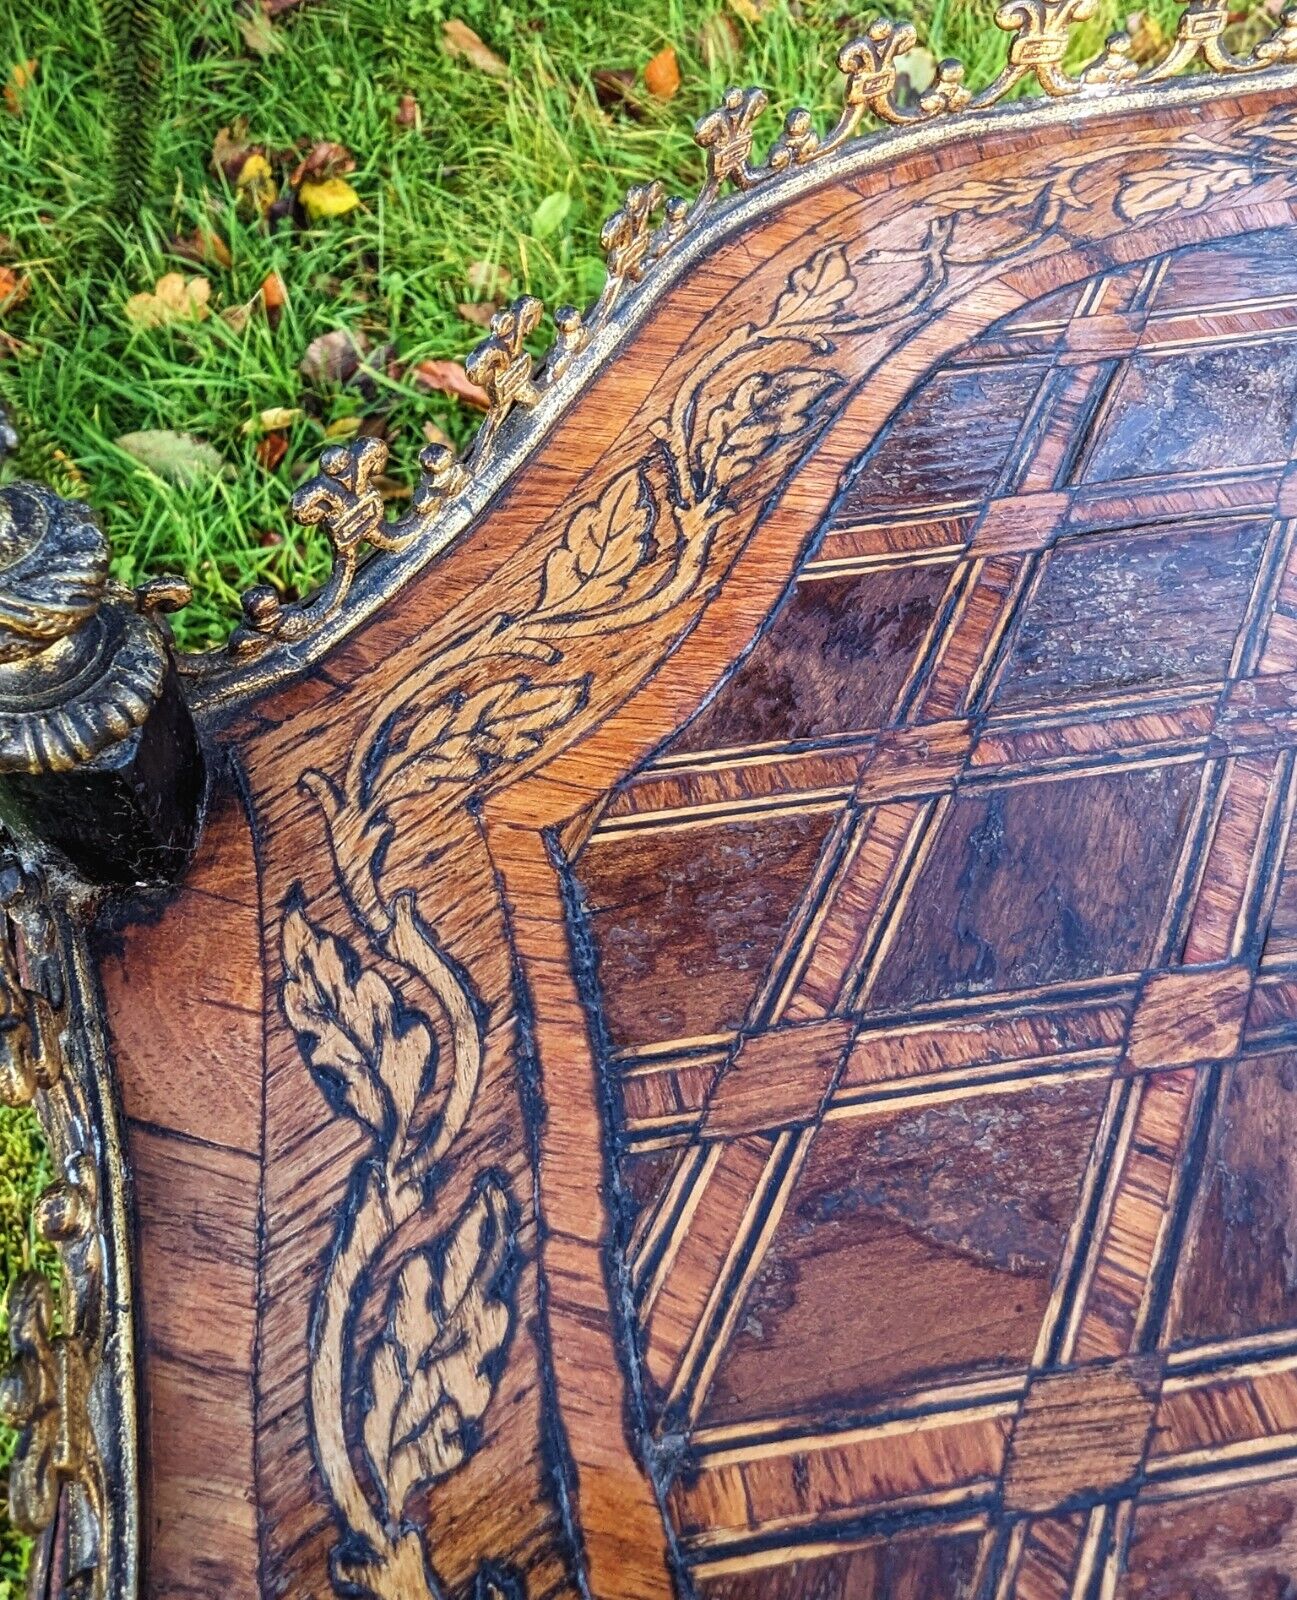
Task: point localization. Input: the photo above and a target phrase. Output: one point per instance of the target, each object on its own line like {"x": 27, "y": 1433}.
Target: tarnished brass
{"x": 82, "y": 660}
{"x": 69, "y": 1392}
{"x": 97, "y": 750}
{"x": 651, "y": 226}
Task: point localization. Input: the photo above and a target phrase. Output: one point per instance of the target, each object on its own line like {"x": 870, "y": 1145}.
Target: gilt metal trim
{"x": 71, "y": 1392}
{"x": 82, "y": 659}
{"x": 650, "y": 242}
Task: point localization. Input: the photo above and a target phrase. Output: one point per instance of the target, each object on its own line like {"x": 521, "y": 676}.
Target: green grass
{"x": 475, "y": 183}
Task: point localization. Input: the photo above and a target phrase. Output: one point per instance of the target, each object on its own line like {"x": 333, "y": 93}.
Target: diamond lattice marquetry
{"x": 948, "y": 974}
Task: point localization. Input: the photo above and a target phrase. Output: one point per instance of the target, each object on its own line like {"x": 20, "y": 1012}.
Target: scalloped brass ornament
{"x": 79, "y": 669}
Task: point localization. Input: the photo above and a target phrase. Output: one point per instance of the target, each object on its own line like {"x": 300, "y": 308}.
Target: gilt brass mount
{"x": 98, "y": 754}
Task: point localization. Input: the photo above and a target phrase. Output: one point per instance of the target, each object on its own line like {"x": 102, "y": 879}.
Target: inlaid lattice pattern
{"x": 948, "y": 964}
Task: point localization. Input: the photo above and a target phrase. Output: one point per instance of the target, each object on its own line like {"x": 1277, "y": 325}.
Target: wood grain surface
{"x": 737, "y": 1039}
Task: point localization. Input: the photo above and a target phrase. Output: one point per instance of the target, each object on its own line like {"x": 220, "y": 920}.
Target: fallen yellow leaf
{"x": 333, "y": 197}
{"x": 343, "y": 428}
{"x": 21, "y": 77}
{"x": 174, "y": 298}
{"x": 460, "y": 40}
{"x": 256, "y": 181}
{"x": 1147, "y": 36}
{"x": 271, "y": 418}
{"x": 662, "y": 74}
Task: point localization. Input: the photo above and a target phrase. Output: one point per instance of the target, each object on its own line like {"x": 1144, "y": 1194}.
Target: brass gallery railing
{"x": 70, "y": 1388}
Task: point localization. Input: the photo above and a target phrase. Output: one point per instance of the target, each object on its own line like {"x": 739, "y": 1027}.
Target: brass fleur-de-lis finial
{"x": 343, "y": 495}
{"x": 503, "y": 365}
{"x": 1281, "y": 45}
{"x": 726, "y": 136}
{"x": 628, "y": 233}
{"x": 443, "y": 475}
{"x": 345, "y": 498}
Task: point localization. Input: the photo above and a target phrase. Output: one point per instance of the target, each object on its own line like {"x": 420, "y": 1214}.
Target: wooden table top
{"x": 737, "y": 1038}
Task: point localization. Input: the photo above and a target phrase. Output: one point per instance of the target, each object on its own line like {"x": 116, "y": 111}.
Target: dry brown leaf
{"x": 271, "y": 450}
{"x": 237, "y": 318}
{"x": 478, "y": 312}
{"x": 274, "y": 297}
{"x": 719, "y": 41}
{"x": 488, "y": 278}
{"x": 204, "y": 246}
{"x": 21, "y": 77}
{"x": 614, "y": 89}
{"x": 231, "y": 148}
{"x": 408, "y": 114}
{"x": 174, "y": 298}
{"x": 460, "y": 41}
{"x": 333, "y": 357}
{"x": 175, "y": 457}
{"x": 449, "y": 377}
{"x": 662, "y": 74}
{"x": 325, "y": 159}
{"x": 259, "y": 33}
{"x": 435, "y": 435}
{"x": 13, "y": 289}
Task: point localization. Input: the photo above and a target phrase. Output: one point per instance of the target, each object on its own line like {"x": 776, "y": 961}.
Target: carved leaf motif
{"x": 816, "y": 291}
{"x": 434, "y": 1369}
{"x": 765, "y": 408}
{"x": 1181, "y": 186}
{"x": 604, "y": 545}
{"x": 468, "y": 735}
{"x": 371, "y": 1057}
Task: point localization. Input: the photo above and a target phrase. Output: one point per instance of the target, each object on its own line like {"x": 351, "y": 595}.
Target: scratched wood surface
{"x": 738, "y": 1038}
